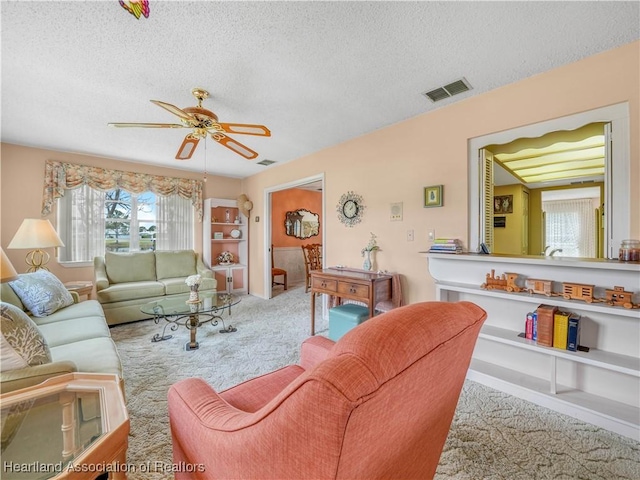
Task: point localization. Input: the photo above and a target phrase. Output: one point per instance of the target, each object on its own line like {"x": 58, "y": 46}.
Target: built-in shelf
{"x": 234, "y": 277}
{"x": 597, "y": 358}
{"x": 601, "y": 386}
{"x": 537, "y": 299}
{"x": 614, "y": 416}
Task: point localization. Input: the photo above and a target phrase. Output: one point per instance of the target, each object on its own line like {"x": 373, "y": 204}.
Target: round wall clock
{"x": 350, "y": 208}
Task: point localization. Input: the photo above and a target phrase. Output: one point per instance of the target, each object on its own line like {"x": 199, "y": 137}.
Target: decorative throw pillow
{"x": 41, "y": 292}
{"x": 21, "y": 341}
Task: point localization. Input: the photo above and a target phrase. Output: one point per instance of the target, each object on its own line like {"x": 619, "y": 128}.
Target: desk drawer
{"x": 327, "y": 284}
{"x": 354, "y": 289}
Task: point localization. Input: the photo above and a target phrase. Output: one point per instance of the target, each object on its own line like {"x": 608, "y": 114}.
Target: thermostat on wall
{"x": 396, "y": 212}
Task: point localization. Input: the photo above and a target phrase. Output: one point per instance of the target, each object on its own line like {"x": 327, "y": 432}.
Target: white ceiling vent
{"x": 454, "y": 88}
{"x": 266, "y": 162}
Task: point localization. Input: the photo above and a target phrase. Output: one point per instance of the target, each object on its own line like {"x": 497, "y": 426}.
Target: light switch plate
{"x": 396, "y": 212}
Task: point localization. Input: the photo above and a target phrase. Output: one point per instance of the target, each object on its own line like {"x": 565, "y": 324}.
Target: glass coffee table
{"x": 176, "y": 312}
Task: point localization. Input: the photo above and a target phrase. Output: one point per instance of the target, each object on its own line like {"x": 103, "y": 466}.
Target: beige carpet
{"x": 493, "y": 436}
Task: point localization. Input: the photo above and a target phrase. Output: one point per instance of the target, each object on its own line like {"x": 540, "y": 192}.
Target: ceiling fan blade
{"x": 187, "y": 148}
{"x": 232, "y": 144}
{"x": 147, "y": 125}
{"x": 173, "y": 109}
{"x": 245, "y": 129}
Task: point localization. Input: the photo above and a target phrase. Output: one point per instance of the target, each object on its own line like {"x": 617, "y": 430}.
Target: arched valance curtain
{"x": 60, "y": 176}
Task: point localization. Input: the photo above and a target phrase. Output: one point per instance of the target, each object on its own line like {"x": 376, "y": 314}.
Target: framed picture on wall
{"x": 433, "y": 196}
{"x": 503, "y": 204}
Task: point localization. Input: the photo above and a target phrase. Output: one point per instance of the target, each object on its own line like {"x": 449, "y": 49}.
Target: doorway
{"x": 287, "y": 251}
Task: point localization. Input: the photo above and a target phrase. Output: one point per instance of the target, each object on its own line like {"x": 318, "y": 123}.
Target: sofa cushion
{"x": 88, "y": 308}
{"x": 7, "y": 295}
{"x": 130, "y": 266}
{"x": 41, "y": 292}
{"x": 22, "y": 343}
{"x": 95, "y": 355}
{"x": 119, "y": 292}
{"x": 74, "y": 330}
{"x": 173, "y": 286}
{"x": 172, "y": 264}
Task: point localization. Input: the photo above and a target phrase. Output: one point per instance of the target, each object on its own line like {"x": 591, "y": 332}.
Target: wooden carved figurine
{"x": 507, "y": 281}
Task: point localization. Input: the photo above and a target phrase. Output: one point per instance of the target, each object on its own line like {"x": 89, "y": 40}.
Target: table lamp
{"x": 7, "y": 272}
{"x": 36, "y": 233}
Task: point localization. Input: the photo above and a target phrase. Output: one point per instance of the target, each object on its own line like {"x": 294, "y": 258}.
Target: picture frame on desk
{"x": 433, "y": 196}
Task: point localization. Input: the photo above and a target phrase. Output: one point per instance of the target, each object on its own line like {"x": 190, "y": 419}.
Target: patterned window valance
{"x": 60, "y": 176}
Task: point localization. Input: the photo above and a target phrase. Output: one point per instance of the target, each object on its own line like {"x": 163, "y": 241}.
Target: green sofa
{"x": 126, "y": 281}
{"x": 79, "y": 340}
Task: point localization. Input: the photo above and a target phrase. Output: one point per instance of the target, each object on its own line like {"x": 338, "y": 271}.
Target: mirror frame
{"x": 617, "y": 200}
{"x": 291, "y": 217}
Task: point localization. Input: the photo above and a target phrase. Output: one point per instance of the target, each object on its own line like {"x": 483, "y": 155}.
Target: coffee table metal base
{"x": 191, "y": 321}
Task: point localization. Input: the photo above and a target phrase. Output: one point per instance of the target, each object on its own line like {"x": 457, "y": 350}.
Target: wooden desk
{"x": 359, "y": 285}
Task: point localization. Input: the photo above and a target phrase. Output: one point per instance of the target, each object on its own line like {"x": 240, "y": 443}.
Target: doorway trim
{"x": 268, "y": 290}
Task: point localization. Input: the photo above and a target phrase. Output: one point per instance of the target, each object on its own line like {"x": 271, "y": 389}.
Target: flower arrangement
{"x": 193, "y": 281}
{"x": 372, "y": 246}
{"x": 225, "y": 258}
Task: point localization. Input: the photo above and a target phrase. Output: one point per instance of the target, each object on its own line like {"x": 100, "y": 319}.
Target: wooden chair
{"x": 275, "y": 272}
{"x": 312, "y": 261}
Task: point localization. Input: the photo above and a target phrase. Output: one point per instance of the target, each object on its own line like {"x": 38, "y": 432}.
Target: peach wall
{"x": 22, "y": 180}
{"x": 285, "y": 201}
{"x": 395, "y": 163}
{"x": 390, "y": 165}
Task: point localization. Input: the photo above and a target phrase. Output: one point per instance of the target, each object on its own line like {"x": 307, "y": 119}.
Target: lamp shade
{"x": 7, "y": 272}
{"x": 35, "y": 233}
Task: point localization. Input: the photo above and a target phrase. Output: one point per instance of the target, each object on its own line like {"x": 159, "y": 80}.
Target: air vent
{"x": 266, "y": 162}
{"x": 454, "y": 88}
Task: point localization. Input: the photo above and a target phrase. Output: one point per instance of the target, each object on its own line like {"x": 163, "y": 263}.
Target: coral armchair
{"x": 376, "y": 404}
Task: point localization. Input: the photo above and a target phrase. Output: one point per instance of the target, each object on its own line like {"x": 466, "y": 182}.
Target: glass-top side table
{"x": 71, "y": 426}
{"x": 177, "y": 311}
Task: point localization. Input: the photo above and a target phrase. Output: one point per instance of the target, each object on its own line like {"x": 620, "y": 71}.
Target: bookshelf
{"x": 601, "y": 386}
{"x": 221, "y": 233}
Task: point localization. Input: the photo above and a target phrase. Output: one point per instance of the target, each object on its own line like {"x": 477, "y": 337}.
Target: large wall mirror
{"x": 302, "y": 223}
{"x": 525, "y": 165}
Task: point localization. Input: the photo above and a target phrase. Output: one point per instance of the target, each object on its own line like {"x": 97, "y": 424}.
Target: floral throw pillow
{"x": 41, "y": 292}
{"x": 22, "y": 343}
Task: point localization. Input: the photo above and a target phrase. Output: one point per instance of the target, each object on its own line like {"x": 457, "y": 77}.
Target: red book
{"x": 528, "y": 326}
{"x": 545, "y": 314}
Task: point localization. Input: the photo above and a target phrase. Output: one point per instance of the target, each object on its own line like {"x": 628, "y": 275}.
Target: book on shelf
{"x": 446, "y": 245}
{"x": 528, "y": 326}
{"x": 534, "y": 327}
{"x": 545, "y": 315}
{"x": 560, "y": 329}
{"x": 573, "y": 332}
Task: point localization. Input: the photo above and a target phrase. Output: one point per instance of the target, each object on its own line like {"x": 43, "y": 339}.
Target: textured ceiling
{"x": 315, "y": 73}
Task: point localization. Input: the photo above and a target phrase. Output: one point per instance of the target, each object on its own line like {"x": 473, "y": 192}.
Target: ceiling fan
{"x": 204, "y": 122}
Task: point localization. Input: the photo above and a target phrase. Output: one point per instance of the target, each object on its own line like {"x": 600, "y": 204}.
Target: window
{"x": 92, "y": 222}
{"x": 570, "y": 227}
{"x": 130, "y": 221}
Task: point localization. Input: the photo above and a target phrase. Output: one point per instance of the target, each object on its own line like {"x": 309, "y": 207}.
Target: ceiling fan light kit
{"x": 204, "y": 122}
